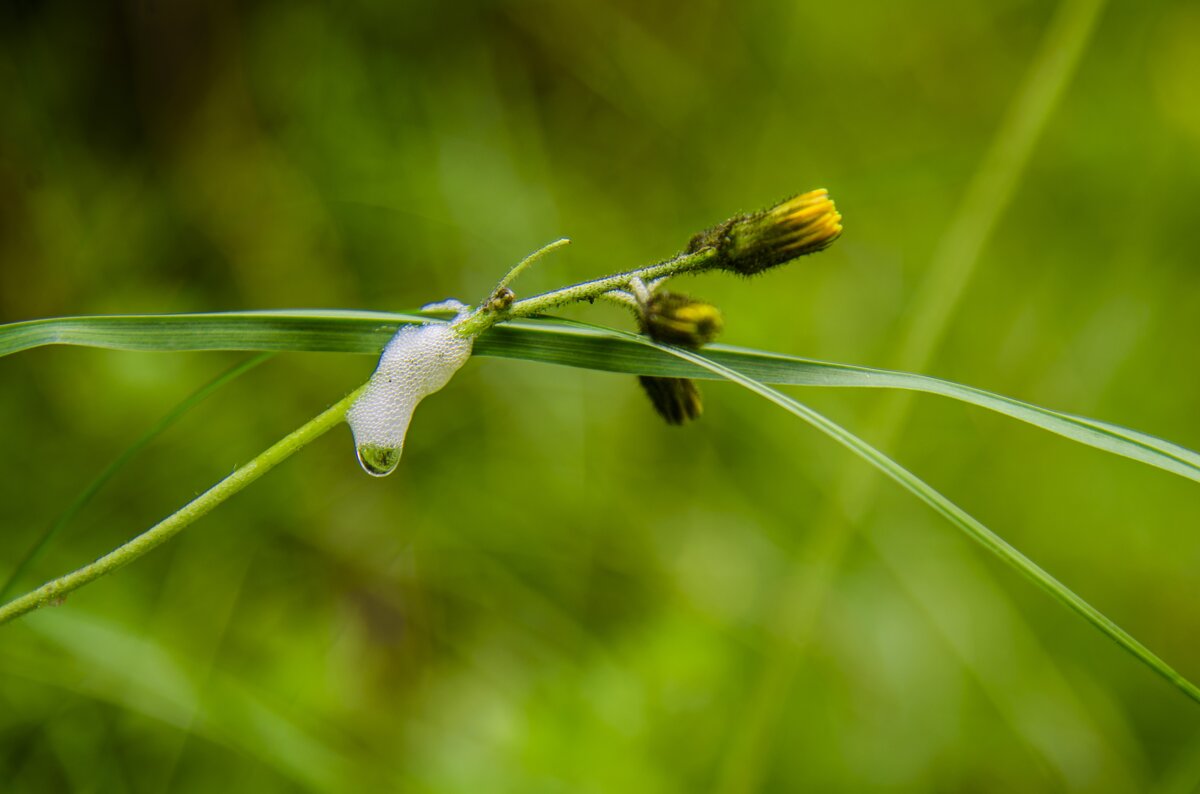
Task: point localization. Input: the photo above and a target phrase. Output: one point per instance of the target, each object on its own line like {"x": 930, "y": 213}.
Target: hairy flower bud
{"x": 677, "y": 400}
{"x": 679, "y": 320}
{"x": 750, "y": 244}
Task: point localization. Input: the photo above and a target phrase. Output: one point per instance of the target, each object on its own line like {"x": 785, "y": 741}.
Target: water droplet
{"x": 378, "y": 461}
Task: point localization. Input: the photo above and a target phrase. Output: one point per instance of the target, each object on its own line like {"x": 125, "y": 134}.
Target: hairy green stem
{"x": 480, "y": 320}
{"x": 55, "y": 590}
{"x": 475, "y": 323}
{"x": 621, "y": 298}
{"x": 525, "y": 263}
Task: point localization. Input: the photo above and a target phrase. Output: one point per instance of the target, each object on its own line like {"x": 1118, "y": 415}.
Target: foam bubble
{"x": 418, "y": 361}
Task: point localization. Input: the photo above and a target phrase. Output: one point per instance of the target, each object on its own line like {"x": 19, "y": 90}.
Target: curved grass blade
{"x": 593, "y": 347}
{"x": 556, "y": 342}
{"x": 952, "y": 512}
{"x": 194, "y": 399}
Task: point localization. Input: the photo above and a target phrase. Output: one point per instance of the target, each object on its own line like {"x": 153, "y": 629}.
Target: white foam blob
{"x": 418, "y": 361}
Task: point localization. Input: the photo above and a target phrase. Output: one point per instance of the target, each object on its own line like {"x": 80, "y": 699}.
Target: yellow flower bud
{"x": 679, "y": 320}
{"x": 750, "y": 244}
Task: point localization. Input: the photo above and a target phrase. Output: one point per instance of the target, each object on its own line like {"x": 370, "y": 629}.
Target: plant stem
{"x": 524, "y": 264}
{"x": 55, "y": 590}
{"x": 621, "y": 298}
{"x": 73, "y": 509}
{"x": 478, "y": 321}
{"x": 481, "y": 320}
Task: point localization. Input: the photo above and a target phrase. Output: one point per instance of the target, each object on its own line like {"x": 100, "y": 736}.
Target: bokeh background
{"x": 556, "y": 592}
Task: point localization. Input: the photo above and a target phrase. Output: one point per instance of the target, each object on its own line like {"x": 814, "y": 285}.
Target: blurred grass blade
{"x": 135, "y": 672}
{"x": 952, "y": 512}
{"x": 555, "y": 342}
{"x": 85, "y": 496}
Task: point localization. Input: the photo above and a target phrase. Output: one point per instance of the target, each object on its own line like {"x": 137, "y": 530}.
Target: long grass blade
{"x": 556, "y": 342}
{"x": 319, "y": 331}
{"x": 577, "y": 344}
{"x": 992, "y": 542}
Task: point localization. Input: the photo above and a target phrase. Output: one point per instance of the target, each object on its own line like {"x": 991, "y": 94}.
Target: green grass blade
{"x": 85, "y": 496}
{"x": 580, "y": 345}
{"x": 322, "y": 331}
{"x": 952, "y": 512}
{"x": 955, "y": 515}
{"x": 555, "y": 342}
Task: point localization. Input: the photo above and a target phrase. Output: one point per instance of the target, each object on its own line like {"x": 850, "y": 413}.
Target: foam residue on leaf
{"x": 418, "y": 361}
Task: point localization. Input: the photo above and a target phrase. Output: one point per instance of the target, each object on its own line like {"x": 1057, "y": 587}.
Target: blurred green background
{"x": 556, "y": 592}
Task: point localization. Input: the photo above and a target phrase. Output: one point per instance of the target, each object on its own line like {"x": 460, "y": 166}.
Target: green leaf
{"x": 555, "y": 342}
{"x": 952, "y": 512}
{"x": 317, "y": 331}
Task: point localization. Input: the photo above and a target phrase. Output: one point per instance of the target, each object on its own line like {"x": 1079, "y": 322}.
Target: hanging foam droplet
{"x": 418, "y": 361}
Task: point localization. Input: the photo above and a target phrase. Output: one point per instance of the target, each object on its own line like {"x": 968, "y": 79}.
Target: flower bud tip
{"x": 750, "y": 244}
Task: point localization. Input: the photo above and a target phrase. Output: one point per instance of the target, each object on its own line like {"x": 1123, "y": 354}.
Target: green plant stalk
{"x": 952, "y": 512}
{"x": 197, "y": 397}
{"x": 54, "y": 591}
{"x": 528, "y": 262}
{"x": 480, "y": 320}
